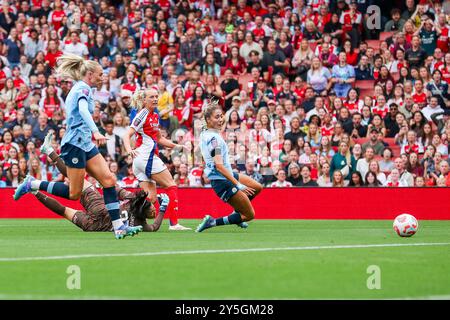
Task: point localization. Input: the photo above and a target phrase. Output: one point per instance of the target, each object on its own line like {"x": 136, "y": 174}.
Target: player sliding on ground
{"x": 147, "y": 166}
{"x": 78, "y": 151}
{"x": 235, "y": 189}
{"x": 134, "y": 205}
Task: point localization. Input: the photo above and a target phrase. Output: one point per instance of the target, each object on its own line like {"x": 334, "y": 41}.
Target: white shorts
{"x": 144, "y": 168}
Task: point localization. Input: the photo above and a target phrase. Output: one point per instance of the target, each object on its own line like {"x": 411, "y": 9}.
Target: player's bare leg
{"x": 249, "y": 182}
{"x": 55, "y": 206}
{"x": 243, "y": 211}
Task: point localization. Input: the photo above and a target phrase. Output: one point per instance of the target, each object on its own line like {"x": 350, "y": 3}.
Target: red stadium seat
{"x": 385, "y": 35}
{"x": 395, "y": 151}
{"x": 390, "y": 141}
{"x": 375, "y": 44}
{"x": 243, "y": 81}
{"x": 365, "y": 92}
{"x": 364, "y": 84}
{"x": 361, "y": 141}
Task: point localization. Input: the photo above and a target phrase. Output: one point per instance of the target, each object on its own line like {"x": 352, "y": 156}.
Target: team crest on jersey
{"x": 85, "y": 92}
{"x": 214, "y": 143}
{"x": 137, "y": 121}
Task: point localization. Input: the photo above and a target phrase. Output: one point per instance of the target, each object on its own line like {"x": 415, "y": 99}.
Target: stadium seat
{"x": 365, "y": 92}
{"x": 243, "y": 80}
{"x": 375, "y": 44}
{"x": 364, "y": 84}
{"x": 390, "y": 141}
{"x": 361, "y": 141}
{"x": 395, "y": 151}
{"x": 385, "y": 35}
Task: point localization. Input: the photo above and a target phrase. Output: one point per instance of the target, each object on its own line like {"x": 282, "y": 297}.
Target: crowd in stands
{"x": 315, "y": 92}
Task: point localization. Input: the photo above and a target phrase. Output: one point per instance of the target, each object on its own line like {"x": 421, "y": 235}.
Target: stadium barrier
{"x": 283, "y": 203}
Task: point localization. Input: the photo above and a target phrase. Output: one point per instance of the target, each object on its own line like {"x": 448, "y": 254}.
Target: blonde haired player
{"x": 78, "y": 151}
{"x": 147, "y": 166}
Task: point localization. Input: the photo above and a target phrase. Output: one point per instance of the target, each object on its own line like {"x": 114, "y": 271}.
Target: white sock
{"x": 50, "y": 150}
{"x": 35, "y": 184}
{"x": 117, "y": 224}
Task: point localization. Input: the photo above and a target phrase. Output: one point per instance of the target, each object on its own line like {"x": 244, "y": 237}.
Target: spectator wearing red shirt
{"x": 4, "y": 74}
{"x": 130, "y": 181}
{"x": 324, "y": 16}
{"x": 50, "y": 102}
{"x": 381, "y": 108}
{"x": 419, "y": 95}
{"x": 130, "y": 83}
{"x": 258, "y": 31}
{"x": 196, "y": 104}
{"x": 351, "y": 21}
{"x": 149, "y": 35}
{"x": 353, "y": 103}
{"x": 352, "y": 56}
{"x": 57, "y": 15}
{"x": 443, "y": 39}
{"x": 235, "y": 62}
{"x": 18, "y": 80}
{"x": 181, "y": 177}
{"x": 52, "y": 54}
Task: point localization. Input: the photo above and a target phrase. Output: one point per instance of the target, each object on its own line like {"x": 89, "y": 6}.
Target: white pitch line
{"x": 61, "y": 297}
{"x": 162, "y": 253}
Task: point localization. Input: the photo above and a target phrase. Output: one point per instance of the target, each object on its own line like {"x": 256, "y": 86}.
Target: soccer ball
{"x": 405, "y": 225}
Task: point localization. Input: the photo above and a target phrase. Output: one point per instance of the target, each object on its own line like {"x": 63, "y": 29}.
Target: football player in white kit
{"x": 147, "y": 166}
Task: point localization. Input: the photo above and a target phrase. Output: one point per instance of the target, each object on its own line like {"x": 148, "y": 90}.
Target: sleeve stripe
{"x": 139, "y": 119}
{"x": 142, "y": 114}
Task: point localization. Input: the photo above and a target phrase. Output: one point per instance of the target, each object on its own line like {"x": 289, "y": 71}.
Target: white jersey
{"x": 147, "y": 162}
{"x": 146, "y": 126}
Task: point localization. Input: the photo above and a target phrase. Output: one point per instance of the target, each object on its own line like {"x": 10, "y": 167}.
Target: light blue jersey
{"x": 78, "y": 132}
{"x": 211, "y": 142}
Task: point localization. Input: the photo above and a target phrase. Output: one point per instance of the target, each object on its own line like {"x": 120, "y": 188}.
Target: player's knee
{"x": 75, "y": 195}
{"x": 109, "y": 181}
{"x": 249, "y": 216}
{"x": 258, "y": 188}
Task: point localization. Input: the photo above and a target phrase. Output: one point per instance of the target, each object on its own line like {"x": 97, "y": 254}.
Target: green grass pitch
{"x": 188, "y": 265}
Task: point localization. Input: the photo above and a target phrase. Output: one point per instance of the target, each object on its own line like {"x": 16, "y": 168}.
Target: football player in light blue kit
{"x": 235, "y": 189}
{"x": 78, "y": 151}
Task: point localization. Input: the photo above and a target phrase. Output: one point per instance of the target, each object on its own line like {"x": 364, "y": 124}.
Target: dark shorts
{"x": 75, "y": 157}
{"x": 96, "y": 217}
{"x": 225, "y": 189}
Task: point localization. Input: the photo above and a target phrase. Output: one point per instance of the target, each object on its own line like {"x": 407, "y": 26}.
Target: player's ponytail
{"x": 137, "y": 100}
{"x": 74, "y": 67}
